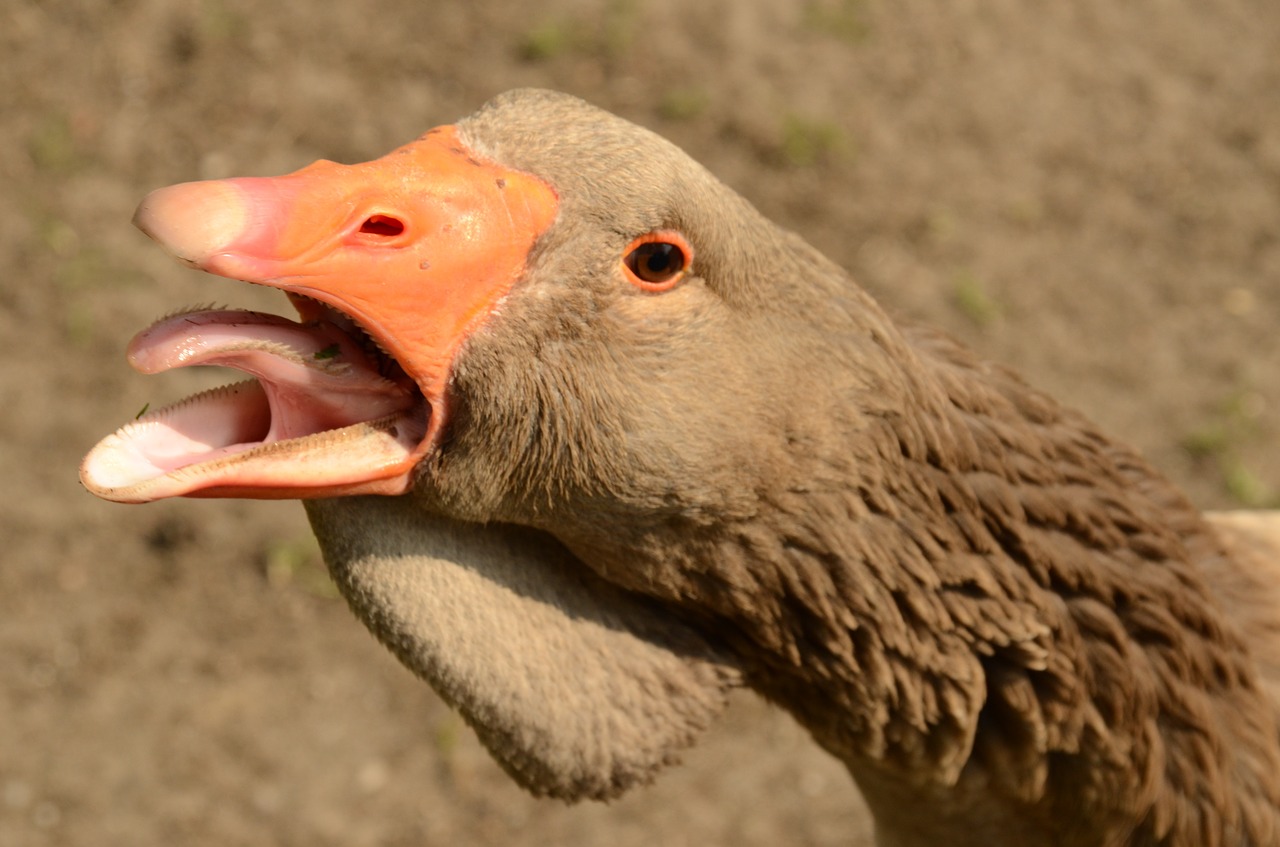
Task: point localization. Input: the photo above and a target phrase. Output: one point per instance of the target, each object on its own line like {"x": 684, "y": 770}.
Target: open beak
{"x": 390, "y": 264}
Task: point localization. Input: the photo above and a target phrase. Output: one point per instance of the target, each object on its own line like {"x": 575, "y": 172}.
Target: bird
{"x": 588, "y": 443}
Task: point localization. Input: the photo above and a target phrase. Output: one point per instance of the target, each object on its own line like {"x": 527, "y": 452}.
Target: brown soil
{"x": 1088, "y": 190}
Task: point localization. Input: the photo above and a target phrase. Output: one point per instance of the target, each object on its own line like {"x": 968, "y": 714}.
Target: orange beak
{"x": 416, "y": 248}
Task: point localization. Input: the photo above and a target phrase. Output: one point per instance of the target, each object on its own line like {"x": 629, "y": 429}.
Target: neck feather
{"x": 996, "y": 616}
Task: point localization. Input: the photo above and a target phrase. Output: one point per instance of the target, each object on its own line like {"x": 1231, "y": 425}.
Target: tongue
{"x": 315, "y": 375}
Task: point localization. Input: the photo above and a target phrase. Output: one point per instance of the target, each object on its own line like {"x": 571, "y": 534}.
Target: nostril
{"x": 383, "y": 225}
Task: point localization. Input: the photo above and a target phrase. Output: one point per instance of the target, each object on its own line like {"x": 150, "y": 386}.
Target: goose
{"x": 588, "y": 443}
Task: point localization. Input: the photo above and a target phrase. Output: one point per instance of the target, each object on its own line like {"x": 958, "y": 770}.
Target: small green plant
{"x": 971, "y": 298}
{"x": 448, "y": 734}
{"x": 218, "y": 22}
{"x": 846, "y": 20}
{"x": 1246, "y": 487}
{"x": 79, "y": 324}
{"x": 607, "y": 38}
{"x": 58, "y": 235}
{"x": 1207, "y": 442}
{"x": 546, "y": 41}
{"x": 1220, "y": 441}
{"x": 807, "y": 141}
{"x": 53, "y": 147}
{"x": 684, "y": 104}
{"x": 618, "y": 29}
{"x": 296, "y": 563}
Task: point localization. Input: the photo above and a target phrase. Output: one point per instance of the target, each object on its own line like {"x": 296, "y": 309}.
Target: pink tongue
{"x": 315, "y": 376}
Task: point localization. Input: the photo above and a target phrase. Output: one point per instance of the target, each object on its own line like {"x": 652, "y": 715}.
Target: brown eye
{"x": 657, "y": 262}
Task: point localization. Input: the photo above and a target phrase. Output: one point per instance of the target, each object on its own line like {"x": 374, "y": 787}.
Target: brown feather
{"x": 1009, "y": 626}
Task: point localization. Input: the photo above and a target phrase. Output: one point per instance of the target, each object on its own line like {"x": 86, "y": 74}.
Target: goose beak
{"x": 390, "y": 264}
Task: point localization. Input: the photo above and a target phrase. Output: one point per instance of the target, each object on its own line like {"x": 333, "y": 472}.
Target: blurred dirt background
{"x": 1088, "y": 190}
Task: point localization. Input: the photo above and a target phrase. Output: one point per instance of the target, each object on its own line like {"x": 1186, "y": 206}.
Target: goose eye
{"x": 656, "y": 262}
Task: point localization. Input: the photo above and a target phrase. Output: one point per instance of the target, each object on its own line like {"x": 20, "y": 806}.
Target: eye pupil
{"x": 656, "y": 261}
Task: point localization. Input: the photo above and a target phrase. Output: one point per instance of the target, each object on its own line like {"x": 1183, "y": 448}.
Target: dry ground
{"x": 1088, "y": 190}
